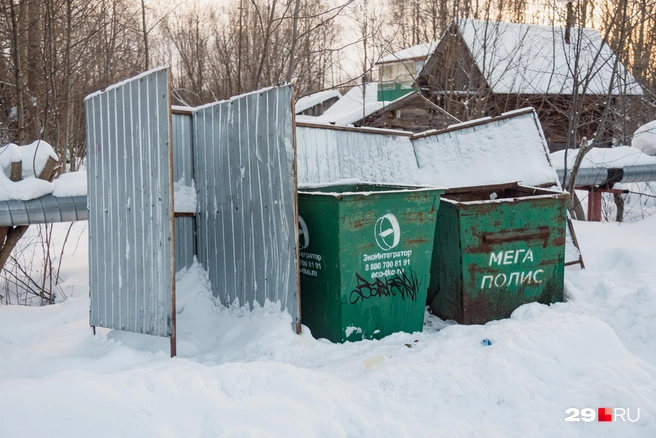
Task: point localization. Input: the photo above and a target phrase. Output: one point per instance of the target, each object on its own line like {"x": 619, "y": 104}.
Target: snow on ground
{"x": 241, "y": 374}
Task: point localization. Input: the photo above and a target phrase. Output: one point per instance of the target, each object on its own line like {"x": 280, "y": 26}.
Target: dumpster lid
{"x": 499, "y": 193}
{"x": 486, "y": 151}
{"x": 347, "y": 187}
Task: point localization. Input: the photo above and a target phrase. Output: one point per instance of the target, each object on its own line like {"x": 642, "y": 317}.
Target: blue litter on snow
{"x": 486, "y": 342}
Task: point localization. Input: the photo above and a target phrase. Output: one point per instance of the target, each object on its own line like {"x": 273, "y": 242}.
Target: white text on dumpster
{"x": 384, "y": 264}
{"x": 310, "y": 264}
{"x": 512, "y": 257}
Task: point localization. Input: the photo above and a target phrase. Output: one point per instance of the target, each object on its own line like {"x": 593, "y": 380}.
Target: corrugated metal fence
{"x": 183, "y": 173}
{"x": 328, "y": 154}
{"x": 131, "y": 264}
{"x": 240, "y": 153}
{"x": 245, "y": 177}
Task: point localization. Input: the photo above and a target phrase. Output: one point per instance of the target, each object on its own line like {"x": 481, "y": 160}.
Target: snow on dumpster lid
{"x": 354, "y": 186}
{"x": 487, "y": 151}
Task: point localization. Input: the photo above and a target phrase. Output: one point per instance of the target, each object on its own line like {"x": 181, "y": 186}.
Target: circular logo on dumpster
{"x": 387, "y": 232}
{"x": 303, "y": 235}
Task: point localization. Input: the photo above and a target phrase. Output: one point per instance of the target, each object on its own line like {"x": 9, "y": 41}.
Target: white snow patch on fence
{"x": 184, "y": 197}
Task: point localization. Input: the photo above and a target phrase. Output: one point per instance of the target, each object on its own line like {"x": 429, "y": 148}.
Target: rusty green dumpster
{"x": 365, "y": 257}
{"x": 496, "y": 248}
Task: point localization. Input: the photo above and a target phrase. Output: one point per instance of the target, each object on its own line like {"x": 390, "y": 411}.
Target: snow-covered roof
{"x": 531, "y": 59}
{"x": 350, "y": 109}
{"x": 415, "y": 52}
{"x": 311, "y": 100}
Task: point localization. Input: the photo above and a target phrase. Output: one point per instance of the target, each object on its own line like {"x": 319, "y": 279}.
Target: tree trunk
{"x": 619, "y": 202}
{"x": 10, "y": 236}
{"x": 15, "y": 42}
{"x": 292, "y": 51}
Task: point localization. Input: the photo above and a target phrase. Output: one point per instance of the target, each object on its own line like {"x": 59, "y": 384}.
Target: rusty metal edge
{"x": 174, "y": 340}
{"x": 472, "y": 124}
{"x": 557, "y": 194}
{"x": 298, "y": 327}
{"x": 184, "y": 214}
{"x": 180, "y": 110}
{"x": 396, "y": 189}
{"x": 365, "y": 130}
{"x": 511, "y": 185}
{"x": 570, "y": 225}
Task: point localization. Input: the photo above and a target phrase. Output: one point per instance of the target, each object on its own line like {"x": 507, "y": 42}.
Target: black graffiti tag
{"x": 399, "y": 284}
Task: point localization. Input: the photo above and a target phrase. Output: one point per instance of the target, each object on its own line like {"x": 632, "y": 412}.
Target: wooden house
{"x": 485, "y": 68}
{"x": 397, "y": 72}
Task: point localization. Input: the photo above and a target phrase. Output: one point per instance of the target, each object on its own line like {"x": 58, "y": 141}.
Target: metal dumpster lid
{"x": 324, "y": 188}
{"x": 486, "y": 151}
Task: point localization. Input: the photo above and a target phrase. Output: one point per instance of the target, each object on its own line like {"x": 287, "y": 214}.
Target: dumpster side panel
{"x": 444, "y": 293}
{"x": 386, "y": 245}
{"x": 513, "y": 253}
{"x": 319, "y": 263}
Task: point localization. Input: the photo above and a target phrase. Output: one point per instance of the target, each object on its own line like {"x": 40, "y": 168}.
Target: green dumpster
{"x": 496, "y": 248}
{"x": 365, "y": 257}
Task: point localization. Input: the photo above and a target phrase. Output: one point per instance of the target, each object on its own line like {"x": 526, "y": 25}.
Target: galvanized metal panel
{"x": 130, "y": 206}
{"x": 46, "y": 209}
{"x": 183, "y": 148}
{"x": 183, "y": 172}
{"x": 639, "y": 173}
{"x": 246, "y": 222}
{"x": 185, "y": 241}
{"x": 18, "y": 212}
{"x": 591, "y": 176}
{"x": 328, "y": 155}
{"x": 586, "y": 176}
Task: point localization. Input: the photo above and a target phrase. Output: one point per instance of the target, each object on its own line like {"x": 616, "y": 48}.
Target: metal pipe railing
{"x": 599, "y": 176}
{"x": 46, "y": 209}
